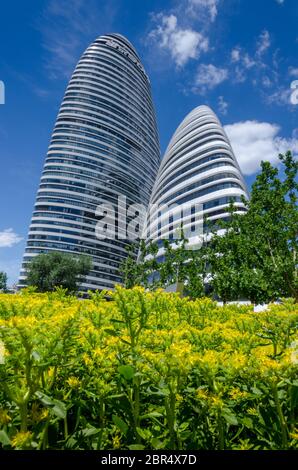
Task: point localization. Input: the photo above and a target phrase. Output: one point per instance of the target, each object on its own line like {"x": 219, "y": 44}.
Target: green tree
{"x": 179, "y": 265}
{"x": 271, "y": 228}
{"x": 3, "y": 281}
{"x": 256, "y": 257}
{"x": 224, "y": 258}
{"x": 129, "y": 268}
{"x": 183, "y": 266}
{"x": 58, "y": 269}
{"x": 140, "y": 264}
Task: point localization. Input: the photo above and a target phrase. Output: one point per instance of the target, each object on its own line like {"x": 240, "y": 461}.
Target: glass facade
{"x": 199, "y": 169}
{"x": 104, "y": 145}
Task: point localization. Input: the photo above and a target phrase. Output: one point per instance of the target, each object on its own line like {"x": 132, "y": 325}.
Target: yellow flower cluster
{"x": 59, "y": 348}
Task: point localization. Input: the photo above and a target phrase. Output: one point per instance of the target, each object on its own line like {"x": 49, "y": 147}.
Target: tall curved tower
{"x": 199, "y": 172}
{"x": 104, "y": 145}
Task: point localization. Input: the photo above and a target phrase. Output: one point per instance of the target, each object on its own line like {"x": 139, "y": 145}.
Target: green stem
{"x": 44, "y": 439}
{"x": 65, "y": 428}
{"x": 170, "y": 404}
{"x": 282, "y": 422}
{"x": 101, "y": 422}
{"x": 23, "y": 407}
{"x": 221, "y": 434}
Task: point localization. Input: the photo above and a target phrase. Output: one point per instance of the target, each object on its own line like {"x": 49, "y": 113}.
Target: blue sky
{"x": 238, "y": 56}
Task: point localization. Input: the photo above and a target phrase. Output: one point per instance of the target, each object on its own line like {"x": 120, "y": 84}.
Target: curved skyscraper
{"x": 104, "y": 145}
{"x": 198, "y": 173}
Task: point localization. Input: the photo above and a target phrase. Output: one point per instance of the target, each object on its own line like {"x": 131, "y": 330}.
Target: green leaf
{"x": 136, "y": 447}
{"x": 144, "y": 433}
{"x": 229, "y": 417}
{"x": 59, "y": 409}
{"x": 121, "y": 425}
{"x": 111, "y": 332}
{"x": 127, "y": 372}
{"x": 153, "y": 414}
{"x": 36, "y": 356}
{"x": 256, "y": 391}
{"x": 4, "y": 439}
{"x": 90, "y": 431}
{"x": 247, "y": 422}
{"x": 45, "y": 400}
{"x": 156, "y": 443}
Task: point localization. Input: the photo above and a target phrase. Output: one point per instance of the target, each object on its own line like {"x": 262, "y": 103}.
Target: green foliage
{"x": 181, "y": 266}
{"x": 256, "y": 257}
{"x": 48, "y": 271}
{"x": 146, "y": 370}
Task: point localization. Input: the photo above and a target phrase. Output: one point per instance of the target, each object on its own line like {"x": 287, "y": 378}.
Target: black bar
{"x": 137, "y": 459}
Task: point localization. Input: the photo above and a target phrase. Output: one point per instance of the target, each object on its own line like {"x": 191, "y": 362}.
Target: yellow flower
{"x": 116, "y": 441}
{"x": 294, "y": 434}
{"x": 294, "y": 352}
{"x": 39, "y": 414}
{"x": 216, "y": 401}
{"x": 237, "y": 394}
{"x": 51, "y": 371}
{"x": 21, "y": 439}
{"x": 44, "y": 414}
{"x": 4, "y": 417}
{"x": 87, "y": 360}
{"x": 73, "y": 382}
{"x": 202, "y": 394}
{"x": 2, "y": 352}
{"x": 179, "y": 398}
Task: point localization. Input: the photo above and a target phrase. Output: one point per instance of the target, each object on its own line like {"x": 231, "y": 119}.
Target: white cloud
{"x": 222, "y": 105}
{"x": 239, "y": 75}
{"x": 293, "y": 71}
{"x": 235, "y": 54}
{"x": 208, "y": 77}
{"x": 248, "y": 62}
{"x": 9, "y": 238}
{"x": 264, "y": 43}
{"x": 204, "y": 8}
{"x": 254, "y": 141}
{"x": 243, "y": 62}
{"x": 266, "y": 82}
{"x": 281, "y": 97}
{"x": 183, "y": 44}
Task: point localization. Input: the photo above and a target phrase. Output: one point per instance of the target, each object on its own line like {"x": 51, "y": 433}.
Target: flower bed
{"x": 146, "y": 371}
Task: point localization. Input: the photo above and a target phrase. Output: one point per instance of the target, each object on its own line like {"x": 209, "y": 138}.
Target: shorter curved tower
{"x": 198, "y": 178}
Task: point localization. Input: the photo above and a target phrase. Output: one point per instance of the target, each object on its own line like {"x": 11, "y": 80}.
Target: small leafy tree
{"x": 181, "y": 266}
{"x": 129, "y": 267}
{"x": 3, "y": 281}
{"x": 57, "y": 269}
{"x": 224, "y": 252}
{"x": 139, "y": 265}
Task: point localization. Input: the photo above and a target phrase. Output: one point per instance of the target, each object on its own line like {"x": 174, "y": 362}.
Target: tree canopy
{"x": 48, "y": 271}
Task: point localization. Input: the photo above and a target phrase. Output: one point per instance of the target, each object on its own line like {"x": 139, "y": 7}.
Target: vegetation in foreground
{"x": 146, "y": 370}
